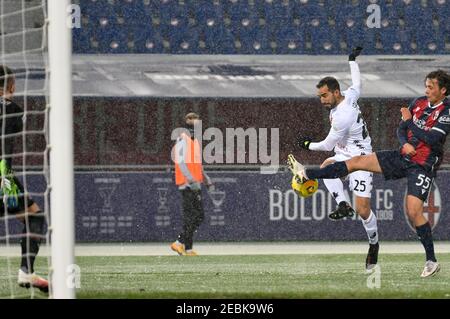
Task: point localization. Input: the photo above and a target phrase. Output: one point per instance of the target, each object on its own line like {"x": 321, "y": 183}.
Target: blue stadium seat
{"x": 96, "y": 8}
{"x": 332, "y": 6}
{"x": 312, "y": 16}
{"x": 170, "y": 9}
{"x": 429, "y": 41}
{"x": 360, "y": 37}
{"x": 241, "y": 16}
{"x": 289, "y": 23}
{"x": 351, "y": 29}
{"x": 254, "y": 41}
{"x": 103, "y": 22}
{"x": 442, "y": 10}
{"x": 133, "y": 11}
{"x": 184, "y": 42}
{"x": 314, "y": 20}
{"x": 219, "y": 40}
{"x": 206, "y": 14}
{"x": 112, "y": 40}
{"x": 417, "y": 17}
{"x": 323, "y": 41}
{"x": 349, "y": 18}
{"x": 395, "y": 40}
{"x": 290, "y": 41}
{"x": 174, "y": 19}
{"x": 147, "y": 40}
{"x": 261, "y": 43}
{"x": 428, "y": 35}
{"x": 277, "y": 14}
{"x": 82, "y": 40}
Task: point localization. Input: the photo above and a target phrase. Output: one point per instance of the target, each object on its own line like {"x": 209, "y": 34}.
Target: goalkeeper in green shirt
{"x": 14, "y": 202}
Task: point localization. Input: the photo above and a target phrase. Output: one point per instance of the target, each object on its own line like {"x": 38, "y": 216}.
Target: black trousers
{"x": 193, "y": 215}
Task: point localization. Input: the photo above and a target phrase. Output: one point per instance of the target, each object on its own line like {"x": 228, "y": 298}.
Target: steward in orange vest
{"x": 189, "y": 176}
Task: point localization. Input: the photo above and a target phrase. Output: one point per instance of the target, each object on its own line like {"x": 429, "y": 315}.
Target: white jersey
{"x": 348, "y": 133}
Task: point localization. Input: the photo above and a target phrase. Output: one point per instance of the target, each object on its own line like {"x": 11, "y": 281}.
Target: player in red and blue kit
{"x": 422, "y": 134}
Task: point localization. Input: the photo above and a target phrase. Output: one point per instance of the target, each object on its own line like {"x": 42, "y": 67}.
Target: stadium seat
{"x": 236, "y": 26}
{"x": 147, "y": 40}
{"x": 417, "y": 17}
{"x": 96, "y": 8}
{"x": 352, "y": 29}
{"x": 331, "y": 6}
{"x": 207, "y": 14}
{"x": 184, "y": 42}
{"x": 170, "y": 9}
{"x": 241, "y": 17}
{"x": 174, "y": 20}
{"x": 429, "y": 41}
{"x": 82, "y": 40}
{"x": 312, "y": 16}
{"x": 254, "y": 41}
{"x": 442, "y": 10}
{"x": 290, "y": 41}
{"x": 112, "y": 40}
{"x": 395, "y": 41}
{"x": 103, "y": 20}
{"x": 323, "y": 41}
{"x": 276, "y": 14}
{"x": 133, "y": 11}
{"x": 219, "y": 40}
{"x": 348, "y": 19}
{"x": 360, "y": 37}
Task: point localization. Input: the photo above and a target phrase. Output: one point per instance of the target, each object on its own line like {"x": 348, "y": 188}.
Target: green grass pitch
{"x": 247, "y": 276}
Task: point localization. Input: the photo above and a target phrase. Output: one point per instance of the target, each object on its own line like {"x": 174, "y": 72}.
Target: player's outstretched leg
{"x": 296, "y": 168}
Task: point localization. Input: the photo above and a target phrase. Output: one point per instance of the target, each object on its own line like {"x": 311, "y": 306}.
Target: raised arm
{"x": 356, "y": 77}
{"x": 354, "y": 91}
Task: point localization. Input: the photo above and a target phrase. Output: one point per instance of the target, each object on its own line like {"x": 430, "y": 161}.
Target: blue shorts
{"x": 395, "y": 166}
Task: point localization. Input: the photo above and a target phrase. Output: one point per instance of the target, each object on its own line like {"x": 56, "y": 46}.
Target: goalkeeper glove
{"x": 8, "y": 187}
{"x": 356, "y": 51}
{"x": 304, "y": 142}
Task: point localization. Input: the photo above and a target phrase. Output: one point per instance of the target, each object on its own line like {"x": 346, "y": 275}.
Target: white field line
{"x": 246, "y": 248}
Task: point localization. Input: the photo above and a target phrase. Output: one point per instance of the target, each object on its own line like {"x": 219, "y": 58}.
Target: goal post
{"x": 61, "y": 150}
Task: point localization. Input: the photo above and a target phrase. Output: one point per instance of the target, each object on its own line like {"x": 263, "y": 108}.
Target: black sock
{"x": 29, "y": 255}
{"x": 30, "y": 242}
{"x": 335, "y": 170}
{"x": 425, "y": 236}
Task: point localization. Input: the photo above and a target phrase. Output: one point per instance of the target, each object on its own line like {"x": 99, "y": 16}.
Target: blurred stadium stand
{"x": 261, "y": 26}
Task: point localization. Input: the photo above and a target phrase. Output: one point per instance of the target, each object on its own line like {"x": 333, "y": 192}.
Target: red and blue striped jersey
{"x": 429, "y": 118}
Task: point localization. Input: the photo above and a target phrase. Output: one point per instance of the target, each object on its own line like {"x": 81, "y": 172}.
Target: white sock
{"x": 336, "y": 188}
{"x": 370, "y": 225}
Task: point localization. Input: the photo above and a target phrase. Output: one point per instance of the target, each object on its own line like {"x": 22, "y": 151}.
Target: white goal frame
{"x": 61, "y": 150}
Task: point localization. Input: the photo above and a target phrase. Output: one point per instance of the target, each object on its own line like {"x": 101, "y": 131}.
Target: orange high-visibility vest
{"x": 192, "y": 159}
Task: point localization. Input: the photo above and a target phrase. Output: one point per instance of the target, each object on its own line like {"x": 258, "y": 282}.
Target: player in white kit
{"x": 348, "y": 137}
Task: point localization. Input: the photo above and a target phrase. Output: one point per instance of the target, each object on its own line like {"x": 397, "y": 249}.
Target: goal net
{"x": 28, "y": 105}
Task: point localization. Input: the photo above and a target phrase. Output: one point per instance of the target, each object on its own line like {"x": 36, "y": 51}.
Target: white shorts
{"x": 360, "y": 182}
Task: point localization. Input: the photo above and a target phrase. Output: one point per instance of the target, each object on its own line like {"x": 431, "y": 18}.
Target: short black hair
{"x": 443, "y": 79}
{"x": 6, "y": 77}
{"x": 331, "y": 82}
